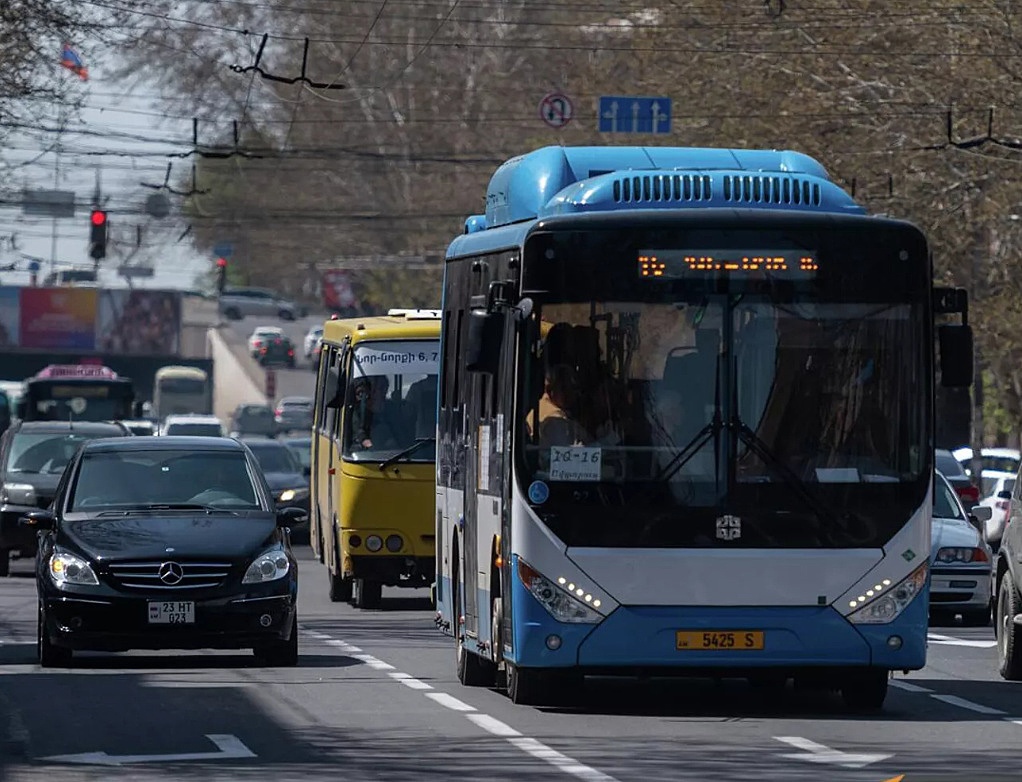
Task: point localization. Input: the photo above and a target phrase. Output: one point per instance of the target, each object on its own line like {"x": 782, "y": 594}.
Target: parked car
{"x": 313, "y": 339}
{"x": 33, "y": 455}
{"x": 956, "y": 475}
{"x": 192, "y": 426}
{"x": 287, "y": 478}
{"x": 165, "y": 543}
{"x": 238, "y": 303}
{"x": 253, "y": 420}
{"x": 293, "y": 413}
{"x": 997, "y": 488}
{"x": 961, "y": 561}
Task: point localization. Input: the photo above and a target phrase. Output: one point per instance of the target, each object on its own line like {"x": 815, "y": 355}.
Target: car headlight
{"x": 887, "y": 602}
{"x": 66, "y": 568}
{"x": 19, "y": 493}
{"x": 952, "y": 554}
{"x": 290, "y": 495}
{"x": 271, "y": 565}
{"x": 559, "y": 604}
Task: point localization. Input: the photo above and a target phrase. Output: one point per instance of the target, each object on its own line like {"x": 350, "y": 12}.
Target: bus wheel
{"x": 367, "y": 594}
{"x": 866, "y": 690}
{"x": 340, "y": 587}
{"x": 473, "y": 670}
{"x": 527, "y": 686}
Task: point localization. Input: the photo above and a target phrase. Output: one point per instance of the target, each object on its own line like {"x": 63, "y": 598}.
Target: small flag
{"x": 69, "y": 59}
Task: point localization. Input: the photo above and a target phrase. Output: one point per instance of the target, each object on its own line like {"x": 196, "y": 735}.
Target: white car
{"x": 192, "y": 425}
{"x": 262, "y": 335}
{"x": 1000, "y": 459}
{"x": 312, "y": 340}
{"x": 997, "y": 487}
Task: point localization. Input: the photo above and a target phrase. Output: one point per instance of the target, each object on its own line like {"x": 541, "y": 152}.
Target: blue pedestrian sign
{"x": 632, "y": 114}
{"x": 223, "y": 250}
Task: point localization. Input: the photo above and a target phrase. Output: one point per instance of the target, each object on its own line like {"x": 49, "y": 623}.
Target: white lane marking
{"x": 961, "y": 703}
{"x": 344, "y": 647}
{"x": 409, "y": 681}
{"x": 820, "y": 753}
{"x": 228, "y": 748}
{"x": 493, "y": 725}
{"x": 1015, "y": 720}
{"x": 568, "y": 765}
{"x": 950, "y": 640}
{"x": 449, "y": 701}
{"x": 374, "y": 662}
{"x": 903, "y": 685}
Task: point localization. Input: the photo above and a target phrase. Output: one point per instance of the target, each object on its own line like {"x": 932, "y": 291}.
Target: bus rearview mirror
{"x": 485, "y": 336}
{"x": 956, "y": 358}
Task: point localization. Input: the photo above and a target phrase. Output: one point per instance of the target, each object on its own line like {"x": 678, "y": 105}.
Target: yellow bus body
{"x": 353, "y": 501}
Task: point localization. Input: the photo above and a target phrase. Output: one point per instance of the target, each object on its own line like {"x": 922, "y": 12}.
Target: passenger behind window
{"x": 559, "y": 427}
{"x": 376, "y": 421}
{"x": 421, "y": 405}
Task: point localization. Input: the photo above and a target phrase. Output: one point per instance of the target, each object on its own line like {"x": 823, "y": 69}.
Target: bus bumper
{"x": 795, "y": 638}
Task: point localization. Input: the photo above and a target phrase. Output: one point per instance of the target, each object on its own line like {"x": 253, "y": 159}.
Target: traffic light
{"x": 221, "y": 274}
{"x": 97, "y": 234}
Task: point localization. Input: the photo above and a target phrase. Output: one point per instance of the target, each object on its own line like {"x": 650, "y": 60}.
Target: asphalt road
{"x": 375, "y": 696}
{"x": 290, "y": 382}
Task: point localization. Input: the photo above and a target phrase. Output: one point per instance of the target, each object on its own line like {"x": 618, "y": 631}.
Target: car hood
{"x": 953, "y": 533}
{"x": 154, "y": 536}
{"x": 286, "y": 480}
{"x": 44, "y": 483}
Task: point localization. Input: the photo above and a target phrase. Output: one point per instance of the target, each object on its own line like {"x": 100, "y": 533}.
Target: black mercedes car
{"x": 33, "y": 455}
{"x": 165, "y": 543}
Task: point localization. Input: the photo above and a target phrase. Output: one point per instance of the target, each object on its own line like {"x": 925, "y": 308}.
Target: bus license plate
{"x": 172, "y": 612}
{"x": 720, "y": 640}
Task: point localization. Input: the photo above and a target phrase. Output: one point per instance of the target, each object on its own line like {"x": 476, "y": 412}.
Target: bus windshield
{"x": 391, "y": 400}
{"x": 735, "y": 406}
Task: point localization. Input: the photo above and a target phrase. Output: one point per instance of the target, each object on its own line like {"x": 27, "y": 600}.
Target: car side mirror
{"x": 981, "y": 512}
{"x": 39, "y": 520}
{"x": 1004, "y": 495}
{"x": 287, "y": 517}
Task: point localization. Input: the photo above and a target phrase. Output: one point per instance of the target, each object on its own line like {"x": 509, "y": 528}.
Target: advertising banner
{"x": 57, "y": 318}
{"x": 338, "y": 294}
{"x": 9, "y": 317}
{"x": 139, "y": 322}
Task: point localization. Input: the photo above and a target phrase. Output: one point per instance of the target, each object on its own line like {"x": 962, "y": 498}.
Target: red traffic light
{"x": 221, "y": 262}
{"x": 98, "y": 218}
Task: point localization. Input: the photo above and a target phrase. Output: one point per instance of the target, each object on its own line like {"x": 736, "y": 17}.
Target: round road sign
{"x": 555, "y": 109}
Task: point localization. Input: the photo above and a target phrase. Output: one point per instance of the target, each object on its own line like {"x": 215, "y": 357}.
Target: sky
{"x": 116, "y": 120}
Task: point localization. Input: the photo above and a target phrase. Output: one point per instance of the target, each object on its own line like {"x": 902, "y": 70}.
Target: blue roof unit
{"x": 575, "y": 180}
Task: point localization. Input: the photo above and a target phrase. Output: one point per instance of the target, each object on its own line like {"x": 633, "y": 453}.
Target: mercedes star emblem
{"x": 171, "y": 573}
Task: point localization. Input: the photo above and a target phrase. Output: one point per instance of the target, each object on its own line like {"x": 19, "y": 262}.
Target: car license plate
{"x": 172, "y": 612}
{"x": 721, "y": 640}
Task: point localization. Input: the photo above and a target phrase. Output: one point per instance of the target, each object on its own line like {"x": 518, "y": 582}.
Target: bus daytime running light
{"x": 561, "y": 604}
{"x": 888, "y": 605}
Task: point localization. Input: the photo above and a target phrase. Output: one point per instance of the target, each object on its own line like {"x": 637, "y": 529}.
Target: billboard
{"x": 338, "y": 294}
{"x": 9, "y": 317}
{"x": 57, "y": 318}
{"x": 139, "y": 322}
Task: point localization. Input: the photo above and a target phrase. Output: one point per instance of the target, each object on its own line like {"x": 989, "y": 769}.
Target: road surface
{"x": 375, "y": 696}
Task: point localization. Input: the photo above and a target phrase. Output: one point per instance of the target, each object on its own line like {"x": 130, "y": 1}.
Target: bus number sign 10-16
{"x": 682, "y": 264}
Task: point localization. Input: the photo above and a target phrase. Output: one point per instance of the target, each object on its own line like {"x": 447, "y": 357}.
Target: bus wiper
{"x": 419, "y": 442}
{"x": 768, "y": 457}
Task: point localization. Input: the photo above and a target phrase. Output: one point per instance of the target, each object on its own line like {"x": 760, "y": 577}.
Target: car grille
{"x": 146, "y": 575}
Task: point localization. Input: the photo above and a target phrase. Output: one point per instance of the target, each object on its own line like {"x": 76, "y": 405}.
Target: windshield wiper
{"x": 157, "y": 506}
{"x": 419, "y": 442}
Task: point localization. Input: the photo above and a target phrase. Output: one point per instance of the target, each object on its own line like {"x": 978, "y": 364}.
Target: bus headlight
{"x": 559, "y": 604}
{"x": 890, "y": 602}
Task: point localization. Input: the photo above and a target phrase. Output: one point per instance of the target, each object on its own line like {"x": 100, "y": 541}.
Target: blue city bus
{"x": 686, "y": 425}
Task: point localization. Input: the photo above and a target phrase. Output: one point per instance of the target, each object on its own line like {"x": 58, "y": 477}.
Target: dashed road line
{"x": 950, "y": 640}
{"x": 962, "y": 703}
{"x": 491, "y": 725}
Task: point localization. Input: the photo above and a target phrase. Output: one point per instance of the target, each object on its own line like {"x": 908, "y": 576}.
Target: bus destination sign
{"x": 757, "y": 264}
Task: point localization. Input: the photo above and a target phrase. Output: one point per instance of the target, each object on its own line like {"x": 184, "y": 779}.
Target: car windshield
{"x": 945, "y": 502}
{"x": 182, "y": 385}
{"x": 391, "y": 402}
{"x": 275, "y": 457}
{"x": 303, "y": 450}
{"x": 45, "y": 452}
{"x": 195, "y": 429}
{"x": 157, "y": 477}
